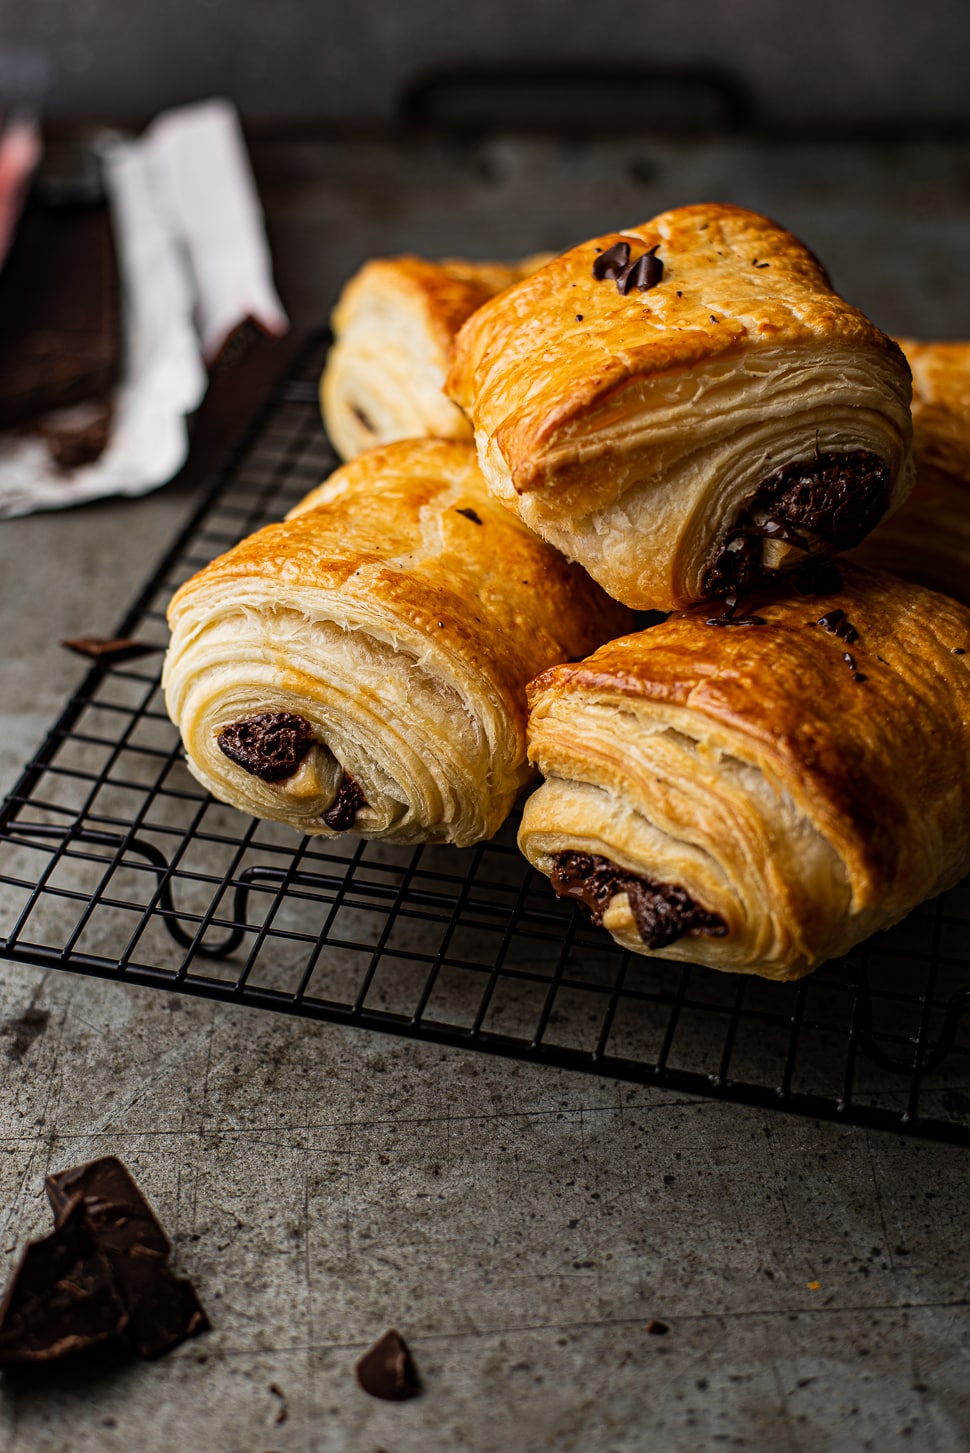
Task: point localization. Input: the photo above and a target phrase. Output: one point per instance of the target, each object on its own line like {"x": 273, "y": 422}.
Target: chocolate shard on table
{"x": 109, "y": 648}
{"x": 63, "y": 1297}
{"x": 387, "y": 1370}
{"x": 163, "y": 1308}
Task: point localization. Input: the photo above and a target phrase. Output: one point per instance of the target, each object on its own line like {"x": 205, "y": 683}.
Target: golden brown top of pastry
{"x": 445, "y": 293}
{"x": 786, "y": 685}
{"x": 410, "y": 527}
{"x": 561, "y": 340}
{"x": 941, "y": 404}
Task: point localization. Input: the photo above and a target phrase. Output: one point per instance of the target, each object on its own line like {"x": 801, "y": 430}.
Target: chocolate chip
{"x": 579, "y": 317}
{"x": 362, "y": 419}
{"x": 762, "y": 264}
{"x": 388, "y": 1371}
{"x": 713, "y": 319}
{"x": 109, "y": 648}
{"x": 837, "y": 623}
{"x": 349, "y": 799}
{"x": 163, "y": 1308}
{"x": 656, "y": 1329}
{"x": 959, "y": 651}
{"x": 611, "y": 263}
{"x": 270, "y": 745}
{"x": 643, "y": 274}
{"x": 858, "y": 676}
{"x": 470, "y": 515}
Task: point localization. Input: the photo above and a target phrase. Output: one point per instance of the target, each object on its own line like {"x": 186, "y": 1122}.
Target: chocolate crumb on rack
{"x": 270, "y": 745}
{"x": 663, "y": 912}
{"x": 642, "y": 273}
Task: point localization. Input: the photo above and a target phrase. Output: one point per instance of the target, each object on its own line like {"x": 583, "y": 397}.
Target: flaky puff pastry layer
{"x": 393, "y": 327}
{"x": 928, "y": 539}
{"x": 633, "y": 431}
{"x": 804, "y": 798}
{"x": 399, "y": 612}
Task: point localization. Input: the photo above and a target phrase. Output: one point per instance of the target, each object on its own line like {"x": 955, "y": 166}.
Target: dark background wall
{"x": 829, "y": 63}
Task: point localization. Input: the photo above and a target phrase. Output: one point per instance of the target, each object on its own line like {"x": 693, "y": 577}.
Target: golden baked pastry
{"x": 393, "y": 328}
{"x": 760, "y": 793}
{"x": 684, "y": 406}
{"x": 928, "y": 539}
{"x": 363, "y": 664}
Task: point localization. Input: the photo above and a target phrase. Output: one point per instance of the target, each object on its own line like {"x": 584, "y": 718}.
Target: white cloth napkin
{"x": 194, "y": 263}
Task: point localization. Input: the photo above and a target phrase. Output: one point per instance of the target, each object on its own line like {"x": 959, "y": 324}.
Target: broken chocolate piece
{"x": 663, "y": 912}
{"x": 832, "y": 501}
{"x": 63, "y": 1297}
{"x": 470, "y": 514}
{"x": 611, "y": 263}
{"x": 110, "y": 648}
{"x": 387, "y": 1370}
{"x": 163, "y": 1308}
{"x": 270, "y": 746}
{"x": 656, "y": 1329}
{"x": 349, "y": 799}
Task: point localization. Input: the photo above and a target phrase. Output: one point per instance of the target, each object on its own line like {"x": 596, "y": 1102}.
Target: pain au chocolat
{"x": 760, "y": 792}
{"x": 362, "y": 665}
{"x": 685, "y": 407}
{"x": 393, "y": 328}
{"x": 928, "y": 539}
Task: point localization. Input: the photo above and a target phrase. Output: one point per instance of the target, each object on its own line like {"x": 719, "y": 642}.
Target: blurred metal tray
{"x": 122, "y": 867}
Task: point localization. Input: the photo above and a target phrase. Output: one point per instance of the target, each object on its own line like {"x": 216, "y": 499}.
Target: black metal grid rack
{"x": 119, "y": 865}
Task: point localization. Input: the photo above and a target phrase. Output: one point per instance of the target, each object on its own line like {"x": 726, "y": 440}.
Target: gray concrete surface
{"x": 519, "y": 1225}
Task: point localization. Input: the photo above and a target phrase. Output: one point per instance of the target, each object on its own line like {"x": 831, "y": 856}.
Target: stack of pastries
{"x": 682, "y": 417}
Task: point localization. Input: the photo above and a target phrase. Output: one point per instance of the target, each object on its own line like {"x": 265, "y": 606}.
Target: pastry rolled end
{"x": 361, "y": 667}
{"x": 759, "y": 799}
{"x": 706, "y": 409}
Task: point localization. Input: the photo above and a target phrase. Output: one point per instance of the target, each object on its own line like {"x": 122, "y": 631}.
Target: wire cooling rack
{"x": 113, "y": 862}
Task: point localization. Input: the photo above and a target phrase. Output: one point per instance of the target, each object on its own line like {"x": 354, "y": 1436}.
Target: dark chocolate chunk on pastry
{"x": 393, "y": 326}
{"x": 687, "y": 406}
{"x": 362, "y": 666}
{"x": 760, "y": 798}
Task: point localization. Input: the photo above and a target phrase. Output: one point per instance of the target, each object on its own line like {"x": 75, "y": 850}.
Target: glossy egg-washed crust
{"x": 928, "y": 539}
{"x": 400, "y": 612}
{"x": 630, "y": 429}
{"x": 393, "y": 327}
{"x": 752, "y": 767}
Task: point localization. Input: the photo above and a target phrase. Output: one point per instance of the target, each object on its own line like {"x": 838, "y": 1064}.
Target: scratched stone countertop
{"x": 520, "y": 1225}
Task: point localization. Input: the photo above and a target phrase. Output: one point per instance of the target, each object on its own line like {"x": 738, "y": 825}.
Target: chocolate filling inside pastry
{"x": 344, "y": 808}
{"x": 830, "y": 502}
{"x": 270, "y": 746}
{"x": 663, "y": 912}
